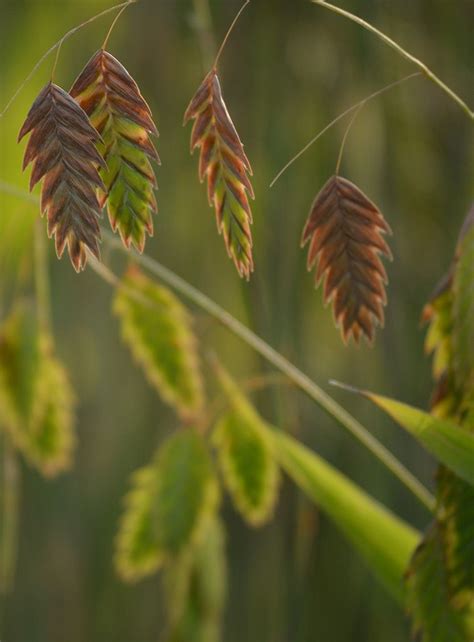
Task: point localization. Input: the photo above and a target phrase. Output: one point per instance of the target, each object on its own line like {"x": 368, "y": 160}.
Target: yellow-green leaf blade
{"x": 382, "y": 539}
{"x": 447, "y": 441}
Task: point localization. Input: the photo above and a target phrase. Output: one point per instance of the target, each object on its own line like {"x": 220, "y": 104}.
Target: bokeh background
{"x": 288, "y": 69}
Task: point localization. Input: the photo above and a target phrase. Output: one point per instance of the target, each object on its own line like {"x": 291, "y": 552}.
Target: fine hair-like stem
{"x": 333, "y": 122}
{"x": 400, "y": 50}
{"x": 229, "y": 31}
{"x": 203, "y": 27}
{"x": 57, "y": 45}
{"x": 114, "y": 22}
{"x": 344, "y": 138}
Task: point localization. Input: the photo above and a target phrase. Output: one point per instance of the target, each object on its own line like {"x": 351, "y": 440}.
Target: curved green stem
{"x": 327, "y": 403}
{"x": 405, "y": 54}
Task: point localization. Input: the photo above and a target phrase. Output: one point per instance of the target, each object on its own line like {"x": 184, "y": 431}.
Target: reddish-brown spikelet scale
{"x": 344, "y": 231}
{"x": 112, "y": 100}
{"x": 62, "y": 150}
{"x": 224, "y": 163}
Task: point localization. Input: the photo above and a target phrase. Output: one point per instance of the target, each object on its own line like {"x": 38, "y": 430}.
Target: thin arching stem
{"x": 340, "y": 117}
{"x": 302, "y": 381}
{"x": 229, "y": 31}
{"x": 114, "y": 22}
{"x": 203, "y": 26}
{"x": 403, "y": 52}
{"x": 56, "y": 58}
{"x": 58, "y": 44}
{"x": 344, "y": 138}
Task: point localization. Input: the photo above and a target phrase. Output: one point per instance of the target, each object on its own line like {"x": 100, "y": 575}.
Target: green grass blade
{"x": 384, "y": 541}
{"x": 450, "y": 443}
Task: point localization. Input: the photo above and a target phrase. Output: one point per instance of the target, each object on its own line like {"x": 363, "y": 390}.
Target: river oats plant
{"x": 93, "y": 152}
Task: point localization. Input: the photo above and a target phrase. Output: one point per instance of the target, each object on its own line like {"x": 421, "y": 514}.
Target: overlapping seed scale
{"x": 224, "y": 163}
{"x": 344, "y": 231}
{"x": 117, "y": 109}
{"x": 62, "y": 148}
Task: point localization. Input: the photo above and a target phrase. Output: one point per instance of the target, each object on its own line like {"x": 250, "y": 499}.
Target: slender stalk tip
{"x": 401, "y": 51}
{"x": 114, "y": 22}
{"x": 345, "y": 386}
{"x": 58, "y": 44}
{"x": 356, "y": 106}
{"x": 229, "y": 31}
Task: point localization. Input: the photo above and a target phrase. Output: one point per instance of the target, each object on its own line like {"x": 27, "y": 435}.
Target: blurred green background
{"x": 288, "y": 69}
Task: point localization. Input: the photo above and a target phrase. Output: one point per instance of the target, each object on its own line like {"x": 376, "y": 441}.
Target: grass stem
{"x": 400, "y": 50}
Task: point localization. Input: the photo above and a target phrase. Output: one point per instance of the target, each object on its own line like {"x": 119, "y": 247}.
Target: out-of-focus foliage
{"x": 438, "y": 343}
{"x": 196, "y": 588}
{"x": 157, "y": 329}
{"x": 440, "y": 579}
{"x": 36, "y": 400}
{"x": 245, "y": 453}
{"x": 463, "y": 312}
{"x": 248, "y": 466}
{"x": 428, "y": 580}
{"x": 169, "y": 506}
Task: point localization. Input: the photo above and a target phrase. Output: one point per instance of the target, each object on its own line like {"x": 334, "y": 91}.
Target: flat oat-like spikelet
{"x": 344, "y": 230}
{"x": 112, "y": 100}
{"x": 62, "y": 149}
{"x": 224, "y": 163}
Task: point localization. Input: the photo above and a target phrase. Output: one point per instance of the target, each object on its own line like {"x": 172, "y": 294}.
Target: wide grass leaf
{"x": 384, "y": 540}
{"x": 451, "y": 444}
